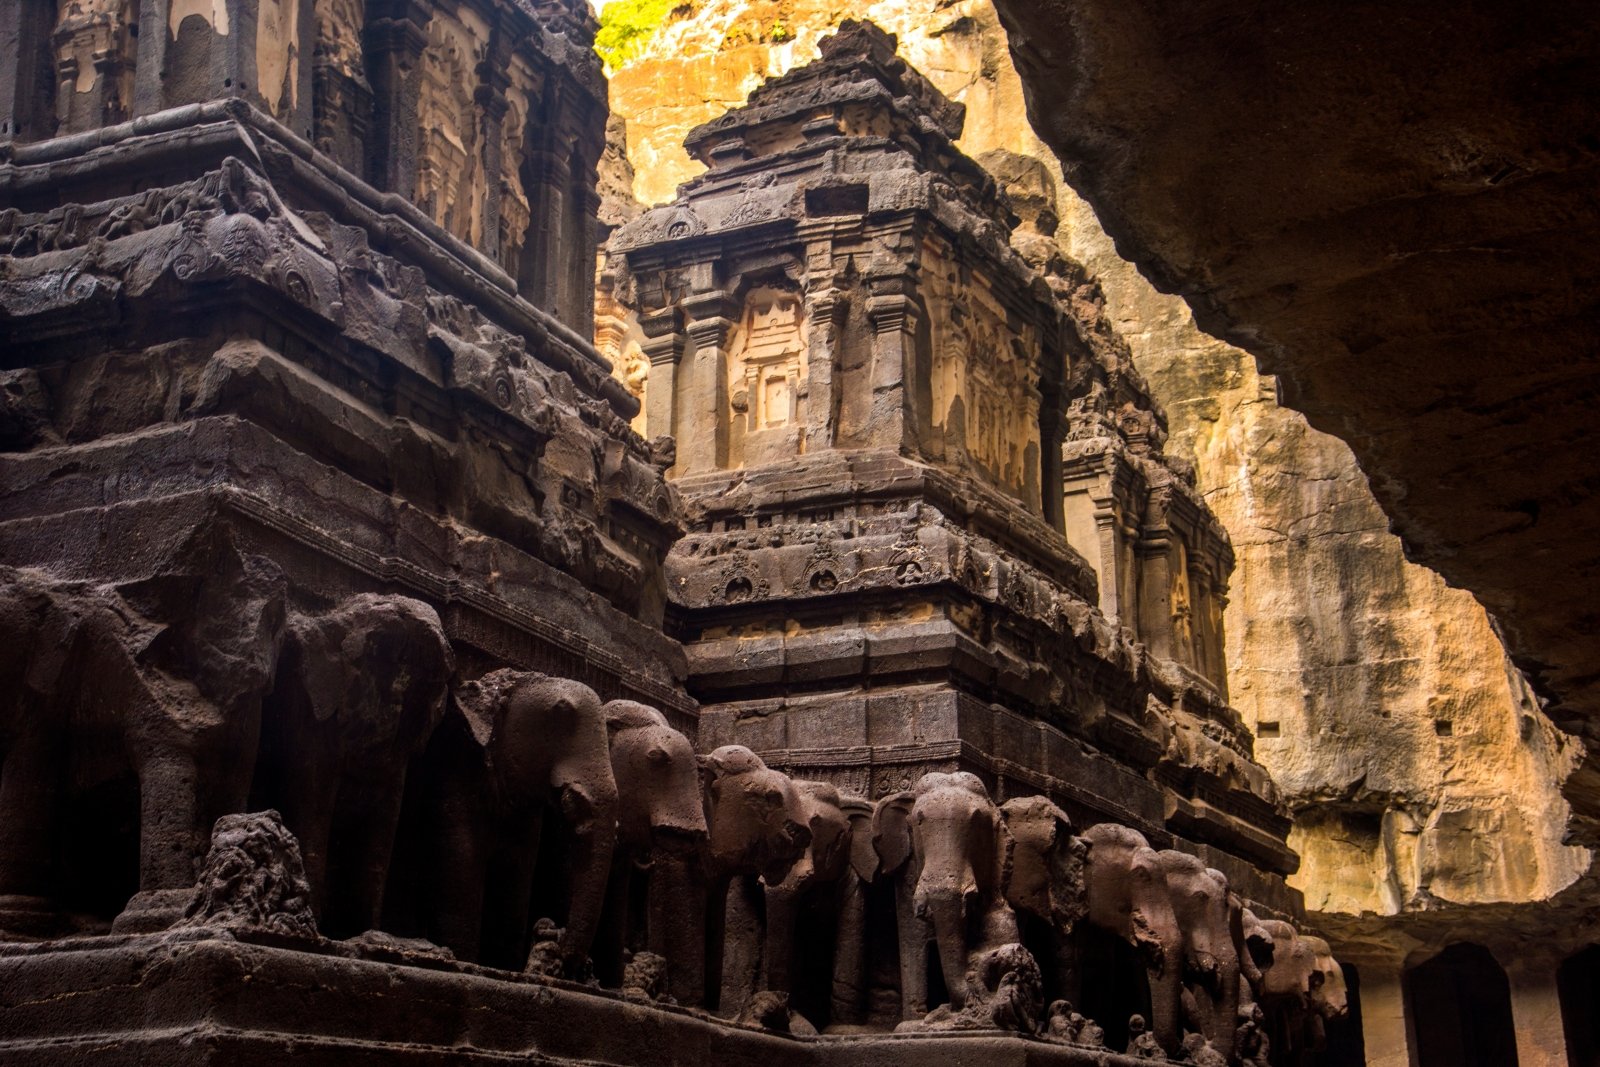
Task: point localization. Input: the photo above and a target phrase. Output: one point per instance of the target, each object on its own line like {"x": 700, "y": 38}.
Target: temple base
{"x": 203, "y": 997}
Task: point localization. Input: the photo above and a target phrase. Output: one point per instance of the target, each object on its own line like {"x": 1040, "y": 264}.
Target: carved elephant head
{"x": 1330, "y": 997}
{"x": 1258, "y": 949}
{"x": 545, "y": 740}
{"x": 359, "y": 689}
{"x": 1207, "y": 921}
{"x": 540, "y": 733}
{"x": 827, "y": 857}
{"x": 660, "y": 806}
{"x": 1128, "y": 896}
{"x": 1047, "y": 867}
{"x": 955, "y": 852}
{"x": 377, "y": 666}
{"x": 756, "y": 822}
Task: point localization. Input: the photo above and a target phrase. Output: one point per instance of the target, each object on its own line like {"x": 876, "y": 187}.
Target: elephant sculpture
{"x": 661, "y": 830}
{"x": 1210, "y": 925}
{"x": 65, "y": 651}
{"x": 1046, "y": 889}
{"x": 525, "y": 743}
{"x": 359, "y": 690}
{"x": 948, "y": 847}
{"x": 823, "y": 876}
{"x": 757, "y": 828}
{"x": 1126, "y": 894}
{"x": 1303, "y": 987}
{"x": 162, "y": 678}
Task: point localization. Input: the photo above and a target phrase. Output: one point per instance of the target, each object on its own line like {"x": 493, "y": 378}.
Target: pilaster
{"x": 704, "y": 443}
{"x": 396, "y": 34}
{"x": 663, "y": 346}
{"x": 894, "y": 314}
{"x": 825, "y": 312}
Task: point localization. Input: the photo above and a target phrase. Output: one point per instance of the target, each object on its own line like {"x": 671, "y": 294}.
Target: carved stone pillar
{"x": 1156, "y": 576}
{"x": 1384, "y": 1030}
{"x": 893, "y": 312}
{"x": 396, "y": 34}
{"x": 663, "y": 347}
{"x": 26, "y": 70}
{"x": 490, "y": 98}
{"x": 1536, "y": 1010}
{"x": 825, "y": 312}
{"x": 703, "y": 442}
{"x": 546, "y": 177}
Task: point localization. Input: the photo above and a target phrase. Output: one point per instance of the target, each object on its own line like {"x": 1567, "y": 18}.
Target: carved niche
{"x": 767, "y": 377}
{"x": 94, "y": 53}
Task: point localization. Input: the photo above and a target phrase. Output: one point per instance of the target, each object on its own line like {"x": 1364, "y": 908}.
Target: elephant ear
{"x": 315, "y": 653}
{"x": 891, "y": 831}
{"x": 480, "y": 701}
{"x": 863, "y": 857}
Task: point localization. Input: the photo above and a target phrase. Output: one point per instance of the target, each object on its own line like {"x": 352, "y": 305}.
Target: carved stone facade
{"x": 871, "y": 394}
{"x": 375, "y": 687}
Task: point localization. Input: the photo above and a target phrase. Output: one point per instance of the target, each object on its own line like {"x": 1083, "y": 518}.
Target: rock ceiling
{"x": 1394, "y": 209}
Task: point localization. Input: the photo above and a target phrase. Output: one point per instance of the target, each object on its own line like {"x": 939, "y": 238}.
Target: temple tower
{"x": 872, "y": 395}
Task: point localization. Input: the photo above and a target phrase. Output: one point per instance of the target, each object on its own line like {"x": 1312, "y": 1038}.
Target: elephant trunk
{"x": 945, "y": 906}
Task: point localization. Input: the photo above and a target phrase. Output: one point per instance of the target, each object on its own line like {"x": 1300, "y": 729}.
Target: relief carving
{"x": 450, "y": 179}
{"x": 768, "y": 371}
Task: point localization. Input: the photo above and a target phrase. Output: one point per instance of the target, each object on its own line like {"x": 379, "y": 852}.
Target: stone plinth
{"x": 199, "y": 999}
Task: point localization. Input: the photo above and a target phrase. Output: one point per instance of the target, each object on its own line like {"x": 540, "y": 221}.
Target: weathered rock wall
{"x": 1382, "y": 699}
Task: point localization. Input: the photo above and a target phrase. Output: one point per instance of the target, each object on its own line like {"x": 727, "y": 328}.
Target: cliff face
{"x": 1416, "y": 760}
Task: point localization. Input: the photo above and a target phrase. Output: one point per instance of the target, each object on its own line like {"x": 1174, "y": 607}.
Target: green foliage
{"x": 779, "y": 32}
{"x": 626, "y": 26}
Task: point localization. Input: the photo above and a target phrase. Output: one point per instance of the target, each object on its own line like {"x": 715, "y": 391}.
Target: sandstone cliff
{"x": 1419, "y": 768}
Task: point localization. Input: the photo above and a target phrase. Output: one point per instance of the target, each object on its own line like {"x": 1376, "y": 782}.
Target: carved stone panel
{"x": 767, "y": 378}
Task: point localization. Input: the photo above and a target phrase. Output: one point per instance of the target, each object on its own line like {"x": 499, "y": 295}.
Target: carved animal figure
{"x": 1047, "y": 872}
{"x": 1127, "y": 895}
{"x": 359, "y": 691}
{"x": 661, "y": 830}
{"x": 164, "y": 676}
{"x": 536, "y": 743}
{"x": 1209, "y": 925}
{"x": 823, "y": 875}
{"x": 1302, "y": 988}
{"x": 950, "y": 850}
{"x": 757, "y": 828}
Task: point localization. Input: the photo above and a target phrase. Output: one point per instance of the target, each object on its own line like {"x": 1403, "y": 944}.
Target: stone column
{"x": 663, "y": 347}
{"x": 1155, "y": 592}
{"x": 893, "y": 312}
{"x": 1535, "y": 1009}
{"x": 397, "y": 33}
{"x": 1384, "y": 1029}
{"x": 26, "y": 69}
{"x": 546, "y": 176}
{"x": 825, "y": 310}
{"x": 703, "y": 445}
{"x": 490, "y": 97}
